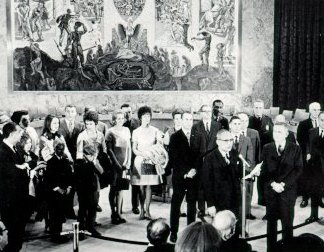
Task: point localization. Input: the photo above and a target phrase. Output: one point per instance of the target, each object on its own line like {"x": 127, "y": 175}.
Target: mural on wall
{"x": 59, "y": 45}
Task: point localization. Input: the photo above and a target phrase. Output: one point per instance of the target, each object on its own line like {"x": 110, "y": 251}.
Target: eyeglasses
{"x": 226, "y": 140}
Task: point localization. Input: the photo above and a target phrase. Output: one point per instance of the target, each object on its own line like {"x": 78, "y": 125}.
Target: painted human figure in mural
{"x": 186, "y": 66}
{"x": 36, "y": 22}
{"x": 63, "y": 24}
{"x": 229, "y": 39}
{"x": 220, "y": 59}
{"x": 23, "y": 18}
{"x": 36, "y": 64}
{"x": 74, "y": 39}
{"x": 205, "y": 36}
{"x": 45, "y": 16}
{"x": 175, "y": 63}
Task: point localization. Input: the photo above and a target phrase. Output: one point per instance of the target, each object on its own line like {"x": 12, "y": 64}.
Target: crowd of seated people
{"x": 204, "y": 161}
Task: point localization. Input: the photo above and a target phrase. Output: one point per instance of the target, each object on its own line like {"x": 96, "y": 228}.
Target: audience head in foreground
{"x": 225, "y": 222}
{"x": 198, "y": 237}
{"x": 302, "y": 243}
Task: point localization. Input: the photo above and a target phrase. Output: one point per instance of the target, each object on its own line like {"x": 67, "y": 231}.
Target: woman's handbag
{"x": 122, "y": 183}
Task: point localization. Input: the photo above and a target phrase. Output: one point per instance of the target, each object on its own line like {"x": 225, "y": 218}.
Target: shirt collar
{"x": 223, "y": 153}
{"x": 282, "y": 144}
{"x": 9, "y": 144}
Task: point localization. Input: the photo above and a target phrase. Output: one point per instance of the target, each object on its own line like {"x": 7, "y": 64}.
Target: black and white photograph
{"x": 162, "y": 125}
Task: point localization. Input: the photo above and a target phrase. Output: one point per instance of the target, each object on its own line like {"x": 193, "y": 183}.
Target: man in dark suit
{"x": 221, "y": 170}
{"x": 315, "y": 168}
{"x": 182, "y": 159}
{"x": 303, "y": 139}
{"x": 14, "y": 191}
{"x": 243, "y": 145}
{"x": 263, "y": 124}
{"x": 218, "y": 114}
{"x": 282, "y": 119}
{"x": 132, "y": 123}
{"x": 281, "y": 167}
{"x": 204, "y": 140}
{"x": 70, "y": 130}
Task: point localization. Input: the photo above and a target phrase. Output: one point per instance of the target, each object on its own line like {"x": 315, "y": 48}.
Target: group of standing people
{"x": 206, "y": 160}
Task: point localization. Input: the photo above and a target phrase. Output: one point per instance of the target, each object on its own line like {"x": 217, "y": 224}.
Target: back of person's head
{"x": 225, "y": 222}
{"x": 198, "y": 237}
{"x": 158, "y": 231}
{"x": 8, "y": 128}
{"x": 304, "y": 243}
{"x": 16, "y": 116}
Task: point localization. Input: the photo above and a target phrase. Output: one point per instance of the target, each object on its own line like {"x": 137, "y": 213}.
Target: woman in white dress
{"x": 144, "y": 172}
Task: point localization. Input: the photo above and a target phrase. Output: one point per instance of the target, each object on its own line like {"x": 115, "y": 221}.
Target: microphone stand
{"x": 243, "y": 202}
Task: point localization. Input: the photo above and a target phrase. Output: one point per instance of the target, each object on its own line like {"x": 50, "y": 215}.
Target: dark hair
{"x": 177, "y": 112}
{"x": 198, "y": 237}
{"x": 234, "y": 118}
{"x": 91, "y": 116}
{"x": 89, "y": 108}
{"x": 158, "y": 231}
{"x": 8, "y": 128}
{"x": 218, "y": 101}
{"x": 125, "y": 105}
{"x": 47, "y": 123}
{"x": 144, "y": 110}
{"x": 17, "y": 115}
{"x": 23, "y": 140}
{"x": 77, "y": 24}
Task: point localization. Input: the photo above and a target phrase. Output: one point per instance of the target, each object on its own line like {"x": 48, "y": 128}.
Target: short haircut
{"x": 221, "y": 132}
{"x": 313, "y": 104}
{"x": 199, "y": 237}
{"x": 224, "y": 220}
{"x": 17, "y": 115}
{"x": 258, "y": 101}
{"x": 158, "y": 231}
{"x": 177, "y": 112}
{"x": 218, "y": 101}
{"x": 234, "y": 118}
{"x": 70, "y": 106}
{"x": 242, "y": 113}
{"x": 117, "y": 112}
{"x": 47, "y": 123}
{"x": 8, "y": 128}
{"x": 144, "y": 110}
{"x": 279, "y": 118}
{"x": 91, "y": 116}
{"x": 202, "y": 107}
{"x": 125, "y": 105}
{"x": 185, "y": 112}
{"x": 89, "y": 108}
{"x": 23, "y": 140}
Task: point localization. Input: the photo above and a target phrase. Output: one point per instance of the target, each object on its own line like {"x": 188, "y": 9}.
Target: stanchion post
{"x": 243, "y": 203}
{"x": 75, "y": 227}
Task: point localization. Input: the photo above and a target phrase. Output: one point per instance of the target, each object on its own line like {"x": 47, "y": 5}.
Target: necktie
{"x": 315, "y": 123}
{"x": 207, "y": 127}
{"x": 243, "y": 133}
{"x": 280, "y": 150}
{"x": 70, "y": 127}
{"x": 236, "y": 143}
{"x": 188, "y": 137}
{"x": 227, "y": 158}
{"x": 322, "y": 134}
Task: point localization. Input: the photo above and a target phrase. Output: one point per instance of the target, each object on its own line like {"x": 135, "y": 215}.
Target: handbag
{"x": 148, "y": 169}
{"x": 122, "y": 183}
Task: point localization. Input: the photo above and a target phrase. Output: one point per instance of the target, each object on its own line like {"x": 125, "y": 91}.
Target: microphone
{"x": 244, "y": 161}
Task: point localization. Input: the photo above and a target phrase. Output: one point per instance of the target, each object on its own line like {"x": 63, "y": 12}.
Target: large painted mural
{"x": 78, "y": 45}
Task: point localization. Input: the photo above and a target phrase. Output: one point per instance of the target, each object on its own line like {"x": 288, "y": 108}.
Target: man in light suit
{"x": 182, "y": 160}
{"x": 243, "y": 145}
{"x": 70, "y": 130}
{"x": 303, "y": 139}
{"x": 204, "y": 140}
{"x": 315, "y": 168}
{"x": 281, "y": 167}
{"x": 263, "y": 124}
{"x": 14, "y": 191}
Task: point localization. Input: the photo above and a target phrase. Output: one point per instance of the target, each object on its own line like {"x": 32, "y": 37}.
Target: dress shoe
{"x": 136, "y": 211}
{"x": 250, "y": 217}
{"x": 173, "y": 238}
{"x": 201, "y": 214}
{"x": 304, "y": 203}
{"x": 99, "y": 209}
{"x": 265, "y": 217}
{"x": 311, "y": 219}
{"x": 183, "y": 215}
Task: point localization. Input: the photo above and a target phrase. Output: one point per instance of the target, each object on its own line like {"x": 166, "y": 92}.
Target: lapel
{"x": 220, "y": 158}
{"x": 184, "y": 137}
{"x": 213, "y": 128}
{"x": 202, "y": 129}
{"x": 65, "y": 127}
{"x": 241, "y": 141}
{"x": 10, "y": 152}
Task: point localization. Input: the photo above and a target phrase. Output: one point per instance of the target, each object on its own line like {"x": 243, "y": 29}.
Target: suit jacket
{"x": 285, "y": 168}
{"x": 222, "y": 181}
{"x": 58, "y": 174}
{"x": 85, "y": 176}
{"x": 13, "y": 181}
{"x": 70, "y": 139}
{"x": 302, "y": 134}
{"x": 202, "y": 141}
{"x": 255, "y": 139}
{"x": 264, "y": 127}
{"x": 182, "y": 157}
{"x": 315, "y": 166}
{"x": 245, "y": 148}
{"x": 132, "y": 124}
{"x": 291, "y": 137}
{"x": 223, "y": 122}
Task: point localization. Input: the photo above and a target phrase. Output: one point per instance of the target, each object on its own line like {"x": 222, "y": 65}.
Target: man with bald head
{"x": 225, "y": 223}
{"x": 303, "y": 139}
